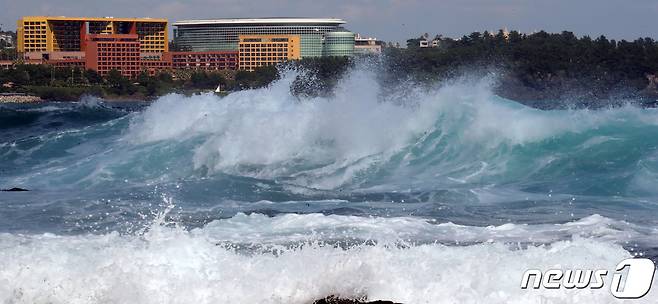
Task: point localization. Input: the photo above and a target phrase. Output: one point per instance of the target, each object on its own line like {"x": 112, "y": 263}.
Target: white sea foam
{"x": 256, "y": 228}
{"x": 327, "y": 142}
{"x": 171, "y": 265}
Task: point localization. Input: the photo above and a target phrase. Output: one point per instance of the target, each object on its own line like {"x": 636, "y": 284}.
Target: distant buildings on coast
{"x": 367, "y": 45}
{"x": 7, "y": 39}
{"x": 134, "y": 45}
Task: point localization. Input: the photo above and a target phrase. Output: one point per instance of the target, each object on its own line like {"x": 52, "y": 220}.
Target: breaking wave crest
{"x": 361, "y": 138}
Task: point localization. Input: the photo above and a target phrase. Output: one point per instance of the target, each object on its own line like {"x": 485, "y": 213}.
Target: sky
{"x": 388, "y": 20}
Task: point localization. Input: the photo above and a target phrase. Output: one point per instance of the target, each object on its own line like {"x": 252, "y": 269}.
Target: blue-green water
{"x": 393, "y": 195}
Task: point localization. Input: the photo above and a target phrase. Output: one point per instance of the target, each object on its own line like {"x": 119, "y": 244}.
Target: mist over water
{"x": 391, "y": 193}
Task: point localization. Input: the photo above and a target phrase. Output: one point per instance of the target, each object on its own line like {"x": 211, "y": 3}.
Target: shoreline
{"x": 27, "y": 98}
{"x": 547, "y": 99}
{"x": 19, "y": 98}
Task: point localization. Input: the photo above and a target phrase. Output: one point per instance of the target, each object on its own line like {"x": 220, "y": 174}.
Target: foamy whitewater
{"x": 412, "y": 194}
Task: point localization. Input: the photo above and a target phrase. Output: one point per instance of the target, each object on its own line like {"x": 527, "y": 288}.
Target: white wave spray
{"x": 459, "y": 131}
{"x": 170, "y": 265}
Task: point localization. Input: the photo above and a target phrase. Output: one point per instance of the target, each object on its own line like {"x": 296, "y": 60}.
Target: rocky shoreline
{"x": 19, "y": 98}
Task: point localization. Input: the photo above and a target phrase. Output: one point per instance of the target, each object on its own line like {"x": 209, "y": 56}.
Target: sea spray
{"x": 175, "y": 266}
{"x": 399, "y": 195}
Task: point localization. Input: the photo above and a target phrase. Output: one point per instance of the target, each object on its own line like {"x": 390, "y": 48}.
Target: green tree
{"x": 260, "y": 77}
{"x": 119, "y": 84}
{"x": 414, "y": 43}
{"x": 93, "y": 77}
{"x": 199, "y": 80}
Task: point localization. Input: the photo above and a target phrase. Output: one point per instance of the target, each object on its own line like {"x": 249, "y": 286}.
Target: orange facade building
{"x": 128, "y": 45}
{"x": 154, "y": 63}
{"x": 66, "y": 34}
{"x": 106, "y": 52}
{"x": 264, "y": 50}
{"x": 205, "y": 61}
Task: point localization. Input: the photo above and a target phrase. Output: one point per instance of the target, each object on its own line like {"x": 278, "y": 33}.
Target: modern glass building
{"x": 318, "y": 37}
{"x": 339, "y": 42}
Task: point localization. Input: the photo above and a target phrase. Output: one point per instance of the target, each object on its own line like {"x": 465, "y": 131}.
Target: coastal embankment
{"x": 18, "y": 98}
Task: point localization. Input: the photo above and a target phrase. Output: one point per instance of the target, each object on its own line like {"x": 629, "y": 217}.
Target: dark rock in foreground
{"x": 334, "y": 300}
{"x": 15, "y": 189}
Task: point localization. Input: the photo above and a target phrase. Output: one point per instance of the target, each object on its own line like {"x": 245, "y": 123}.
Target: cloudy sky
{"x": 389, "y": 20}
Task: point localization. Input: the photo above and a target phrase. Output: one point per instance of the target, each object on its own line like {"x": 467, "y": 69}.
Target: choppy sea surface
{"x": 418, "y": 195}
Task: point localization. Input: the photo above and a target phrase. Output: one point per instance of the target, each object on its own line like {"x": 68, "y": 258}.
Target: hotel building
{"x": 106, "y": 52}
{"x": 314, "y": 37}
{"x": 204, "y": 61}
{"x": 100, "y": 44}
{"x": 263, "y": 50}
{"x": 66, "y": 34}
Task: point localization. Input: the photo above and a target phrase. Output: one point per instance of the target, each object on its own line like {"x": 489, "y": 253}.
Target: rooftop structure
{"x": 263, "y": 21}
